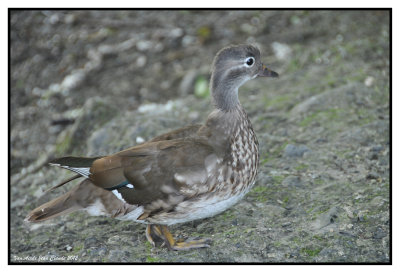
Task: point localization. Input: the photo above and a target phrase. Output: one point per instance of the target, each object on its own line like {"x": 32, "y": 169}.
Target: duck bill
{"x": 266, "y": 72}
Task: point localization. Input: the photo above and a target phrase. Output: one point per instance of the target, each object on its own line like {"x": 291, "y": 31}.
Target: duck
{"x": 187, "y": 174}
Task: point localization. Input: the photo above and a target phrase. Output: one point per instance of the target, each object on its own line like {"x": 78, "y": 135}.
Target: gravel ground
{"x": 94, "y": 82}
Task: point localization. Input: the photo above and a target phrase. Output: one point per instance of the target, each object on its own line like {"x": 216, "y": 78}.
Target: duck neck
{"x": 224, "y": 94}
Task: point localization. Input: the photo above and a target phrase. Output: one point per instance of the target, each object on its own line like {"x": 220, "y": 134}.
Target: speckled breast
{"x": 244, "y": 156}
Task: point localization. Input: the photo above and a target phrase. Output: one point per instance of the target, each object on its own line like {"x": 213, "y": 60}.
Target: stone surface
{"x": 295, "y": 151}
{"x": 95, "y": 82}
{"x": 291, "y": 181}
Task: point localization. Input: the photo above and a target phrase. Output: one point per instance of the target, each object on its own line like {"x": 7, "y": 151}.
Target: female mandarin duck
{"x": 191, "y": 173}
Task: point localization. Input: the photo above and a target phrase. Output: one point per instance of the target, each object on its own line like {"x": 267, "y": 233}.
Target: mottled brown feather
{"x": 150, "y": 168}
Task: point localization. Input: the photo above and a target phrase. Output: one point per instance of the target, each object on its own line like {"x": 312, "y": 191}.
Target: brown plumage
{"x": 190, "y": 173}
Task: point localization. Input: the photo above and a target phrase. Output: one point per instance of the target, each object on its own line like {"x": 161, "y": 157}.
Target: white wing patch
{"x": 118, "y": 195}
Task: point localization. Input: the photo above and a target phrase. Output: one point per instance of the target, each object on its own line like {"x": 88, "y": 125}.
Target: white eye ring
{"x": 249, "y": 62}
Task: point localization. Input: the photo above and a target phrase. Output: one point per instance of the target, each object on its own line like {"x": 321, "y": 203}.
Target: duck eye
{"x": 250, "y": 61}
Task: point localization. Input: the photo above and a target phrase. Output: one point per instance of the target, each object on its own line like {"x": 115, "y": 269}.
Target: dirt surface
{"x": 89, "y": 83}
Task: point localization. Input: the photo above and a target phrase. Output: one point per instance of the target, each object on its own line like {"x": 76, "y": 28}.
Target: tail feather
{"x": 63, "y": 183}
{"x": 59, "y": 206}
{"x": 79, "y": 197}
{"x": 84, "y": 196}
{"x": 72, "y": 161}
{"x": 80, "y": 165}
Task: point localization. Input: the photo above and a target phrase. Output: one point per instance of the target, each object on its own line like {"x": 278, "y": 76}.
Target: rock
{"x": 325, "y": 219}
{"x": 377, "y": 201}
{"x": 291, "y": 181}
{"x": 342, "y": 96}
{"x": 69, "y": 19}
{"x": 117, "y": 255}
{"x": 98, "y": 252}
{"x": 372, "y": 175}
{"x": 18, "y": 203}
{"x": 187, "y": 84}
{"x": 90, "y": 242}
{"x": 376, "y": 148}
{"x": 141, "y": 61}
{"x": 114, "y": 239}
{"x": 327, "y": 252}
{"x": 379, "y": 233}
{"x": 369, "y": 81}
{"x": 272, "y": 210}
{"x": 40, "y": 239}
{"x": 374, "y": 156}
{"x": 144, "y": 45}
{"x": 292, "y": 150}
{"x": 281, "y": 51}
{"x": 84, "y": 126}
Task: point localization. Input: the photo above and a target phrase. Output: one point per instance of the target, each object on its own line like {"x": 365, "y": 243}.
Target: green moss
{"x": 77, "y": 249}
{"x": 344, "y": 154}
{"x": 319, "y": 181}
{"x": 320, "y": 116}
{"x": 102, "y": 112}
{"x": 259, "y": 189}
{"x": 301, "y": 167}
{"x": 312, "y": 209}
{"x": 356, "y": 77}
{"x": 278, "y": 101}
{"x": 260, "y": 193}
{"x": 311, "y": 252}
{"x": 278, "y": 178}
{"x": 285, "y": 201}
{"x": 364, "y": 116}
{"x": 63, "y": 146}
{"x": 228, "y": 215}
{"x": 152, "y": 259}
{"x": 277, "y": 150}
{"x": 230, "y": 231}
{"x": 294, "y": 65}
{"x": 201, "y": 89}
{"x": 297, "y": 240}
{"x": 147, "y": 244}
{"x": 20, "y": 84}
{"x": 321, "y": 211}
{"x": 204, "y": 32}
{"x": 318, "y": 238}
{"x": 330, "y": 80}
{"x": 264, "y": 160}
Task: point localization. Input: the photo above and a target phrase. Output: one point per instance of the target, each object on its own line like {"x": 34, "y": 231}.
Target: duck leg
{"x": 163, "y": 233}
{"x": 152, "y": 229}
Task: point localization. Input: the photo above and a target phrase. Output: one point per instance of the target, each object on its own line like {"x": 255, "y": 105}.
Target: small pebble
{"x": 369, "y": 81}
{"x": 295, "y": 151}
{"x": 141, "y": 61}
{"x": 372, "y": 175}
{"x": 139, "y": 139}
